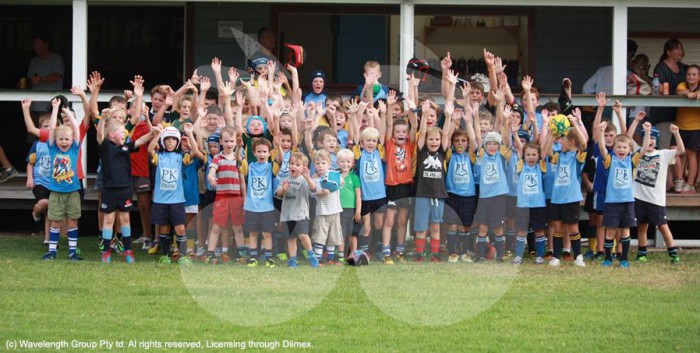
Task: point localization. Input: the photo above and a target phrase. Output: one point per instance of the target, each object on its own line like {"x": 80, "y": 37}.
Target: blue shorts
{"x": 460, "y": 209}
{"x": 348, "y": 224}
{"x": 619, "y": 215}
{"x": 259, "y": 222}
{"x": 599, "y": 201}
{"x": 535, "y": 218}
{"x": 648, "y": 213}
{"x": 372, "y": 206}
{"x": 295, "y": 228}
{"x": 427, "y": 211}
{"x": 168, "y": 214}
{"x": 491, "y": 211}
{"x": 511, "y": 206}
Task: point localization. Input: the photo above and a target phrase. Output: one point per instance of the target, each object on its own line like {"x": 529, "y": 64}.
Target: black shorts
{"x": 511, "y": 206}
{"x": 491, "y": 211}
{"x": 691, "y": 139}
{"x": 295, "y": 228}
{"x": 116, "y": 199}
{"x": 141, "y": 184}
{"x": 259, "y": 222}
{"x": 460, "y": 210}
{"x": 589, "y": 205}
{"x": 372, "y": 206}
{"x": 619, "y": 215}
{"x": 648, "y": 213}
{"x": 535, "y": 218}
{"x": 168, "y": 214}
{"x": 206, "y": 201}
{"x": 41, "y": 192}
{"x": 398, "y": 196}
{"x": 278, "y": 204}
{"x": 568, "y": 213}
{"x": 348, "y": 223}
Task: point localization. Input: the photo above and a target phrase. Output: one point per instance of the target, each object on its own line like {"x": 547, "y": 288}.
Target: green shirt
{"x": 347, "y": 192}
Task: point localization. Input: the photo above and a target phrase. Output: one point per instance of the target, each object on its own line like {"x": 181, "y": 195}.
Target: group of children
{"x": 253, "y": 158}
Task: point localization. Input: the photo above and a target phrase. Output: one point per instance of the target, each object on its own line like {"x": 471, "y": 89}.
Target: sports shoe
{"x": 466, "y": 258}
{"x": 211, "y": 260}
{"x": 554, "y": 262}
{"x": 141, "y": 240}
{"x": 606, "y": 263}
{"x": 548, "y": 255}
{"x": 7, "y": 174}
{"x": 50, "y": 255}
{"x": 675, "y": 259}
{"x": 165, "y": 260}
{"x": 598, "y": 256}
{"x": 292, "y": 263}
{"x": 106, "y": 256}
{"x": 687, "y": 189}
{"x": 175, "y": 256}
{"x": 588, "y": 255}
{"x": 282, "y": 257}
{"x": 154, "y": 249}
{"x": 566, "y": 256}
{"x": 642, "y": 258}
{"x": 517, "y": 260}
{"x": 129, "y": 256}
{"x": 342, "y": 261}
{"x": 225, "y": 258}
{"x": 453, "y": 259}
{"x": 625, "y": 264}
{"x": 184, "y": 260}
{"x": 200, "y": 252}
{"x": 146, "y": 245}
{"x": 74, "y": 257}
{"x": 117, "y": 245}
{"x": 270, "y": 263}
{"x": 313, "y": 260}
{"x": 579, "y": 261}
{"x": 540, "y": 261}
{"x": 388, "y": 260}
{"x": 678, "y": 185}
{"x": 191, "y": 254}
{"x": 252, "y": 262}
{"x": 435, "y": 258}
{"x": 101, "y": 244}
{"x": 400, "y": 257}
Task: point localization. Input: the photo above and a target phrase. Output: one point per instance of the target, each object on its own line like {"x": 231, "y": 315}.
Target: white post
{"x": 406, "y": 42}
{"x": 79, "y": 59}
{"x": 619, "y": 50}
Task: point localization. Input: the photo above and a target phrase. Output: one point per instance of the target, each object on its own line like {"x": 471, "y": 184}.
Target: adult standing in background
{"x": 45, "y": 71}
{"x": 669, "y": 69}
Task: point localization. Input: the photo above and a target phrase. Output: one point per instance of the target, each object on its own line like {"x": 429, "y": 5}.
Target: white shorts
{"x": 192, "y": 209}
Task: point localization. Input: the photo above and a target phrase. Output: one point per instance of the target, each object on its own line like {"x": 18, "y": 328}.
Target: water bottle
{"x": 655, "y": 85}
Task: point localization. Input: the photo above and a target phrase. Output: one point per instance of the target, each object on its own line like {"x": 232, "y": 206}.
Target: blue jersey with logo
{"x": 460, "y": 174}
{"x": 258, "y": 187}
{"x": 64, "y": 168}
{"x": 492, "y": 174}
{"x": 511, "y": 173}
{"x": 40, "y": 158}
{"x": 567, "y": 177}
{"x": 282, "y": 171}
{"x": 619, "y": 188}
{"x": 530, "y": 188}
{"x": 600, "y": 178}
{"x": 168, "y": 186}
{"x": 371, "y": 173}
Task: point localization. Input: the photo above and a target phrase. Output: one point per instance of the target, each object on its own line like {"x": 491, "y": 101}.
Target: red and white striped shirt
{"x": 228, "y": 181}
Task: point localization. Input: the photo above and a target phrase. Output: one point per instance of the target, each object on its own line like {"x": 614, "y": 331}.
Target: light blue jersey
{"x": 168, "y": 185}
{"x": 492, "y": 174}
{"x": 371, "y": 173}
{"x": 40, "y": 158}
{"x": 64, "y": 168}
{"x": 530, "y": 187}
{"x": 567, "y": 176}
{"x": 620, "y": 177}
{"x": 460, "y": 174}
{"x": 258, "y": 187}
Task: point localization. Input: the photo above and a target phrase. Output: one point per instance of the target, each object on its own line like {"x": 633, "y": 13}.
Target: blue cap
{"x": 524, "y": 135}
{"x": 214, "y": 138}
{"x": 655, "y": 133}
{"x": 259, "y": 61}
{"x": 318, "y": 73}
{"x": 255, "y": 117}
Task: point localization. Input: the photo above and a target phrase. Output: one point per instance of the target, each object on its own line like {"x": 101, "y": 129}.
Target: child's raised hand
{"x": 169, "y": 100}
{"x": 305, "y": 172}
{"x": 498, "y": 65}
{"x": 647, "y": 127}
{"x": 497, "y": 94}
{"x": 391, "y": 97}
{"x": 673, "y": 128}
{"x": 204, "y": 83}
{"x": 233, "y": 75}
{"x": 381, "y": 107}
{"x": 457, "y": 114}
{"x": 507, "y": 111}
{"x": 156, "y": 130}
{"x": 446, "y": 63}
{"x": 351, "y": 106}
{"x": 451, "y": 77}
{"x": 466, "y": 88}
{"x": 128, "y": 94}
{"x": 138, "y": 91}
{"x": 410, "y": 103}
{"x": 527, "y": 83}
{"x": 603, "y": 125}
{"x": 488, "y": 58}
{"x": 55, "y": 103}
{"x": 576, "y": 113}
{"x": 425, "y": 107}
{"x": 240, "y": 100}
{"x": 413, "y": 81}
{"x": 77, "y": 91}
{"x": 220, "y": 122}
{"x": 95, "y": 81}
{"x": 291, "y": 68}
{"x": 201, "y": 112}
{"x": 216, "y": 64}
{"x": 282, "y": 78}
{"x": 188, "y": 128}
{"x": 137, "y": 81}
{"x": 617, "y": 106}
{"x": 26, "y": 103}
{"x": 226, "y": 89}
{"x": 285, "y": 185}
{"x": 271, "y": 66}
{"x": 640, "y": 116}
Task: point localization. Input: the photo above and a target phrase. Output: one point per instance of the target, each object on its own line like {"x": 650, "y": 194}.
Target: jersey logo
{"x": 461, "y": 173}
{"x": 491, "y": 174}
{"x": 62, "y": 170}
{"x": 563, "y": 176}
{"x": 168, "y": 179}
{"x": 371, "y": 171}
{"x": 530, "y": 184}
{"x": 258, "y": 186}
{"x": 622, "y": 178}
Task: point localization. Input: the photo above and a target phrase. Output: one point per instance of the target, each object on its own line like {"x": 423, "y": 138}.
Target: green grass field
{"x": 652, "y": 307}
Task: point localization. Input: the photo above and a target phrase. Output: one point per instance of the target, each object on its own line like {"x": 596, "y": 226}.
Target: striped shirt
{"x": 228, "y": 182}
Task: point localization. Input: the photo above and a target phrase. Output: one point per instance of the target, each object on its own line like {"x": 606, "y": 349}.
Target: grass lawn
{"x": 652, "y": 307}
